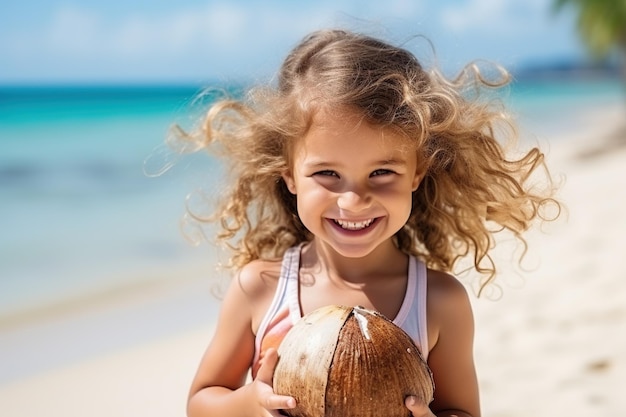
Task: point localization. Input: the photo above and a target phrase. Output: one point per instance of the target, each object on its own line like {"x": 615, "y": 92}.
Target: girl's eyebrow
{"x": 326, "y": 164}
{"x": 392, "y": 162}
{"x": 318, "y": 164}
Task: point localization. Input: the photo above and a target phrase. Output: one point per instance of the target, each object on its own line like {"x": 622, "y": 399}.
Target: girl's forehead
{"x": 341, "y": 124}
{"x": 345, "y": 136}
{"x": 326, "y": 117}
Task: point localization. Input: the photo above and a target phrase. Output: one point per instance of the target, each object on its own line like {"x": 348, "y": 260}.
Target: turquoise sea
{"x": 80, "y": 214}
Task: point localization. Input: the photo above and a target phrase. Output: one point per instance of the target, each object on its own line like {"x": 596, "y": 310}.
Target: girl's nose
{"x": 353, "y": 201}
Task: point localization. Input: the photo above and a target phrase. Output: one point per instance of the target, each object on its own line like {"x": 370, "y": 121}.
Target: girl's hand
{"x": 263, "y": 391}
{"x": 416, "y": 408}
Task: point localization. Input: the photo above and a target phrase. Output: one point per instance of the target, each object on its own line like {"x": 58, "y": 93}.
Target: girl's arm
{"x": 219, "y": 388}
{"x": 451, "y": 357}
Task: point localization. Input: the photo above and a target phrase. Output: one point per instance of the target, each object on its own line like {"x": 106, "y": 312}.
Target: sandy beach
{"x": 553, "y": 344}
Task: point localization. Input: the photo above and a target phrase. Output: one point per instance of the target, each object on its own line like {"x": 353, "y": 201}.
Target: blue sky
{"x": 192, "y": 41}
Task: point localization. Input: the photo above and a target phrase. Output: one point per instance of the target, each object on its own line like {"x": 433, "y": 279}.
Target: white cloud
{"x": 401, "y": 7}
{"x": 145, "y": 35}
{"x": 71, "y": 30}
{"x": 85, "y": 34}
{"x": 133, "y": 36}
{"x": 494, "y": 15}
{"x": 224, "y": 39}
{"x": 226, "y": 21}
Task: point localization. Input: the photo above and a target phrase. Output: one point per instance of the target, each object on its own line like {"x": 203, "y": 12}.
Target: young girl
{"x": 360, "y": 179}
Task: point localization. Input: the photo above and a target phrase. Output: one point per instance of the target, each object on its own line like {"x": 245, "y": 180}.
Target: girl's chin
{"x": 353, "y": 249}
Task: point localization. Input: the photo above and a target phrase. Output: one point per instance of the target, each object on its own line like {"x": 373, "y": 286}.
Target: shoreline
{"x": 81, "y": 329}
{"x": 552, "y": 344}
{"x": 152, "y": 283}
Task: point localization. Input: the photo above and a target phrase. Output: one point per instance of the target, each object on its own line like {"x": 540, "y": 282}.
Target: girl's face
{"x": 353, "y": 183}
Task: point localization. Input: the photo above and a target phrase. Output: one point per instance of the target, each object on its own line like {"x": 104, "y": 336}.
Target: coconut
{"x": 350, "y": 362}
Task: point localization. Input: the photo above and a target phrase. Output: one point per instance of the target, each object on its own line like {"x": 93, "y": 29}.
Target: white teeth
{"x": 354, "y": 225}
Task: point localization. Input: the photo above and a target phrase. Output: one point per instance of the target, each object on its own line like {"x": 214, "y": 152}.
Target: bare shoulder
{"x": 258, "y": 277}
{"x": 447, "y": 303}
{"x": 445, "y": 289}
{"x": 227, "y": 359}
{"x": 450, "y": 340}
{"x": 257, "y": 282}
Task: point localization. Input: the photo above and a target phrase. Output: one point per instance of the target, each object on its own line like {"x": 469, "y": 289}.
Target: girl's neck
{"x": 385, "y": 260}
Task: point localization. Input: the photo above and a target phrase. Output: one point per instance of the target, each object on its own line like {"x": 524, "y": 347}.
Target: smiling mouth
{"x": 347, "y": 225}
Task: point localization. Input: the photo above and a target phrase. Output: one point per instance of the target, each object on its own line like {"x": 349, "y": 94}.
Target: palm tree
{"x": 602, "y": 26}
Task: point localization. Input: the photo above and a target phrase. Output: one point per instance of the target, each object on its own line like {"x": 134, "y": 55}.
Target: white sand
{"x": 556, "y": 344}
{"x": 553, "y": 345}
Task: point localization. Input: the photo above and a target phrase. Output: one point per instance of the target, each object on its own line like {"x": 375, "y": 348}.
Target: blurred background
{"x": 91, "y": 199}
{"x": 90, "y": 88}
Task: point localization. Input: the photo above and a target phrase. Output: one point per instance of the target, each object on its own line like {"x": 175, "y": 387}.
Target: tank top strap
{"x": 409, "y": 296}
{"x": 412, "y": 315}
{"x": 292, "y": 284}
{"x": 422, "y": 300}
{"x": 286, "y": 295}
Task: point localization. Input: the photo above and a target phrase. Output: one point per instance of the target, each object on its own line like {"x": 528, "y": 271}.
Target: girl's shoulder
{"x": 257, "y": 281}
{"x": 444, "y": 287}
{"x": 447, "y": 300}
{"x": 448, "y": 310}
{"x": 259, "y": 276}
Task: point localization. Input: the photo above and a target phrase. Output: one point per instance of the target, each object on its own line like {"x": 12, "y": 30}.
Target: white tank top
{"x": 285, "y": 308}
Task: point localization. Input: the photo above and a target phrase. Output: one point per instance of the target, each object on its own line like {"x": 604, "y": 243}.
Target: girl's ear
{"x": 417, "y": 179}
{"x": 291, "y": 184}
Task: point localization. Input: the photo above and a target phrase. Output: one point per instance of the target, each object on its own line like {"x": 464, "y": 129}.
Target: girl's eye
{"x": 380, "y": 172}
{"x": 327, "y": 173}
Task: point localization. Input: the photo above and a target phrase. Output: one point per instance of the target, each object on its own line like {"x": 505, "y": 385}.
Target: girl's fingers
{"x": 266, "y": 371}
{"x": 265, "y": 374}
{"x": 417, "y": 409}
{"x": 279, "y": 402}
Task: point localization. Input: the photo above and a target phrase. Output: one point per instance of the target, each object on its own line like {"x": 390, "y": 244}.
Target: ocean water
{"x": 81, "y": 207}
{"x": 78, "y": 212}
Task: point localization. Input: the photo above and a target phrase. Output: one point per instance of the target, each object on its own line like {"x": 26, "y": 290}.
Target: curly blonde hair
{"x": 469, "y": 183}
